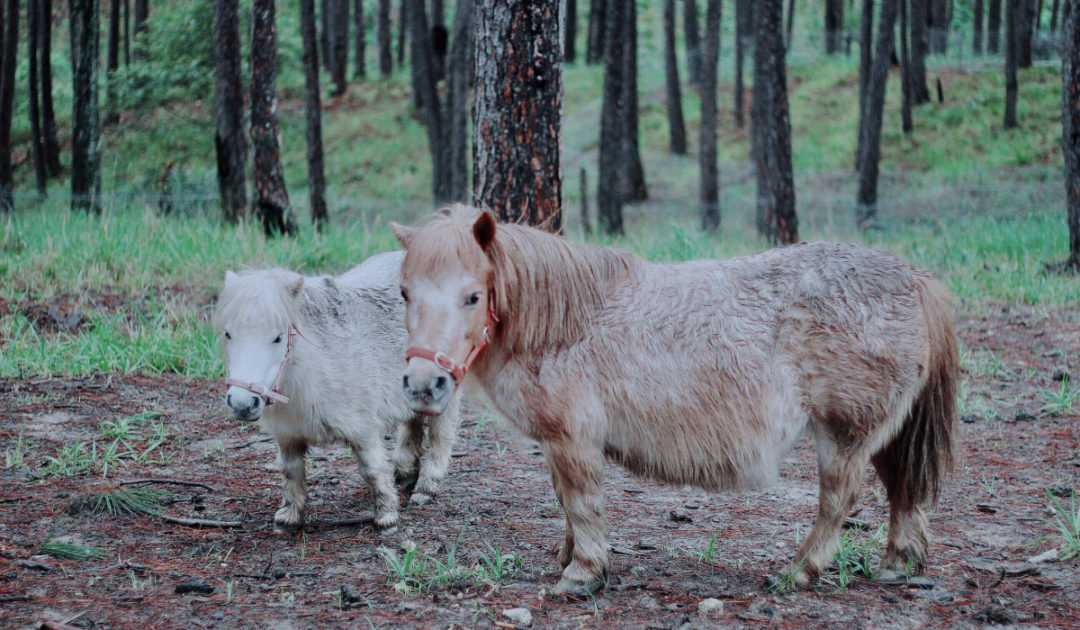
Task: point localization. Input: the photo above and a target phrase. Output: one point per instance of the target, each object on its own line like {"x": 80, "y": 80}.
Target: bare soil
{"x": 993, "y": 517}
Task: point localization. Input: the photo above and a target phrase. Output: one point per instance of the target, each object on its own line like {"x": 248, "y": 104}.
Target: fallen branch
{"x": 249, "y": 443}
{"x": 175, "y": 482}
{"x": 198, "y": 522}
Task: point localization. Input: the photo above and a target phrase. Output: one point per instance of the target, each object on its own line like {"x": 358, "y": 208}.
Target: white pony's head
{"x": 256, "y": 311}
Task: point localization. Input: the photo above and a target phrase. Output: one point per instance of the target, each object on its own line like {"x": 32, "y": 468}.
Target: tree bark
{"x": 403, "y": 31}
{"x": 459, "y": 79}
{"x": 569, "y": 49}
{"x": 870, "y": 124}
{"x": 230, "y": 142}
{"x": 142, "y": 17}
{"x": 382, "y": 38}
{"x": 1054, "y": 8}
{"x": 907, "y": 123}
{"x": 1012, "y": 16}
{"x": 834, "y": 26}
{"x": 637, "y": 191}
{"x": 271, "y": 199}
{"x": 48, "y": 114}
{"x": 775, "y": 181}
{"x": 611, "y": 187}
{"x": 866, "y": 58}
{"x": 676, "y": 125}
{"x": 594, "y": 49}
{"x": 338, "y": 40}
{"x": 518, "y": 111}
{"x": 127, "y": 33}
{"x": 977, "y": 35}
{"x": 709, "y": 193}
{"x": 940, "y": 16}
{"x": 791, "y": 22}
{"x": 86, "y": 126}
{"x": 744, "y": 25}
{"x": 1070, "y": 130}
{"x": 313, "y": 107}
{"x": 425, "y": 90}
{"x": 1025, "y": 25}
{"x": 361, "y": 40}
{"x": 9, "y": 29}
{"x": 993, "y": 26}
{"x": 112, "y": 64}
{"x": 37, "y": 144}
{"x": 692, "y": 32}
{"x": 920, "y": 47}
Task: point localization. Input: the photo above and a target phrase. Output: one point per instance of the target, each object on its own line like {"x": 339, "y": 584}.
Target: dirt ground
{"x": 992, "y": 518}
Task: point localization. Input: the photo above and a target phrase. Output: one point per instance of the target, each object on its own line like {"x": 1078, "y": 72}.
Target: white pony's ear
{"x": 403, "y": 234}
{"x": 484, "y": 230}
{"x": 295, "y": 283}
{"x": 230, "y": 277}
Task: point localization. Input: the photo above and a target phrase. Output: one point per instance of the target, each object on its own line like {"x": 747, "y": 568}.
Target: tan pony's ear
{"x": 484, "y": 230}
{"x": 403, "y": 234}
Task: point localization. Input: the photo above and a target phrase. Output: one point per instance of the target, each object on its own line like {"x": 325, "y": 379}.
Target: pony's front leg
{"x": 407, "y": 452}
{"x": 375, "y": 469}
{"x": 442, "y": 430}
{"x": 578, "y": 475}
{"x": 291, "y": 513}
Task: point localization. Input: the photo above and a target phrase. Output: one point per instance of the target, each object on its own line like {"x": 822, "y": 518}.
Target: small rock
{"x": 1046, "y": 556}
{"x": 943, "y": 596}
{"x": 969, "y": 418}
{"x": 710, "y": 606}
{"x": 520, "y": 616}
{"x": 1060, "y": 375}
{"x": 919, "y": 581}
{"x": 1052, "y": 354}
{"x": 995, "y": 614}
{"x": 278, "y": 573}
{"x": 202, "y": 588}
{"x": 986, "y": 508}
{"x": 648, "y": 603}
{"x": 1062, "y": 491}
{"x": 349, "y": 594}
{"x": 679, "y": 517}
{"x": 1023, "y": 416}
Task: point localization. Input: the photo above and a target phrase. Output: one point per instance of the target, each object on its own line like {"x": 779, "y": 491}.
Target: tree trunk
{"x": 37, "y": 145}
{"x": 940, "y": 15}
{"x": 977, "y": 37}
{"x": 920, "y": 47}
{"x": 637, "y": 191}
{"x": 326, "y": 10}
{"x": 594, "y": 49}
{"x": 382, "y": 38}
{"x": 866, "y": 58}
{"x": 834, "y": 26}
{"x": 438, "y": 14}
{"x": 791, "y": 22}
{"x": 1012, "y": 16}
{"x": 361, "y": 40}
{"x": 230, "y": 142}
{"x": 693, "y": 41}
{"x": 142, "y": 17}
{"x": 271, "y": 199}
{"x": 1054, "y": 8}
{"x": 403, "y": 31}
{"x": 905, "y": 71}
{"x": 48, "y": 115}
{"x": 127, "y": 33}
{"x": 743, "y": 33}
{"x": 611, "y": 189}
{"x": 1025, "y": 24}
{"x": 870, "y": 124}
{"x": 993, "y": 26}
{"x": 1070, "y": 130}
{"x": 676, "y": 126}
{"x": 9, "y": 45}
{"x": 112, "y": 64}
{"x": 569, "y": 49}
{"x": 709, "y": 192}
{"x": 518, "y": 111}
{"x": 86, "y": 126}
{"x": 313, "y": 106}
{"x": 424, "y": 82}
{"x": 459, "y": 79}
{"x": 775, "y": 181}
{"x": 338, "y": 40}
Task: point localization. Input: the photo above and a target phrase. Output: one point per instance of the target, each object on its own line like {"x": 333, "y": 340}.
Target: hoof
{"x": 579, "y": 590}
{"x": 790, "y": 579}
{"x": 406, "y": 480}
{"x": 288, "y": 517}
{"x": 419, "y": 498}
{"x": 385, "y": 520}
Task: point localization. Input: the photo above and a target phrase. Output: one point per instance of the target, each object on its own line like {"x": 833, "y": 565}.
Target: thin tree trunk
{"x": 866, "y": 58}
{"x": 1054, "y": 8}
{"x": 610, "y": 191}
{"x": 271, "y": 199}
{"x": 382, "y": 38}
{"x": 1025, "y": 24}
{"x": 338, "y": 44}
{"x": 142, "y": 17}
{"x": 569, "y": 49}
{"x": 48, "y": 114}
{"x": 37, "y": 145}
{"x": 326, "y": 11}
{"x": 112, "y": 64}
{"x": 1012, "y": 16}
{"x": 940, "y": 12}
{"x": 676, "y": 126}
{"x": 993, "y": 26}
{"x": 86, "y": 126}
{"x": 230, "y": 142}
{"x": 424, "y": 82}
{"x": 709, "y": 192}
{"x": 459, "y": 78}
{"x": 518, "y": 111}
{"x": 920, "y": 47}
{"x": 977, "y": 36}
{"x": 905, "y": 71}
{"x": 790, "y": 22}
{"x": 870, "y": 125}
{"x": 594, "y": 50}
{"x": 692, "y": 32}
{"x": 438, "y": 14}
{"x": 313, "y": 107}
{"x": 637, "y": 191}
{"x": 775, "y": 181}
{"x": 743, "y": 25}
{"x": 127, "y": 33}
{"x": 403, "y": 31}
{"x": 361, "y": 40}
{"x": 1070, "y": 130}
{"x": 9, "y": 44}
{"x": 834, "y": 26}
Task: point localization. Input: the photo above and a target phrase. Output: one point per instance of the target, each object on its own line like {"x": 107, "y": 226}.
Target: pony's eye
{"x": 405, "y": 295}
{"x": 277, "y": 339}
{"x": 227, "y": 335}
{"x": 474, "y": 299}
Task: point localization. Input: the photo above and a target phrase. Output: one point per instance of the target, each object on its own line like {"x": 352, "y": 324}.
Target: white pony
{"x": 318, "y": 360}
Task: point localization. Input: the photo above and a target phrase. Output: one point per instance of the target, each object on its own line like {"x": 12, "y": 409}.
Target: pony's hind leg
{"x": 291, "y": 513}
{"x": 840, "y": 480}
{"x": 442, "y": 430}
{"x": 907, "y": 546}
{"x": 375, "y": 468}
{"x": 407, "y": 452}
{"x": 578, "y": 469}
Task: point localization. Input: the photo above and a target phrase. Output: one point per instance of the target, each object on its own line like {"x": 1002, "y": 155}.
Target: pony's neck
{"x": 548, "y": 291}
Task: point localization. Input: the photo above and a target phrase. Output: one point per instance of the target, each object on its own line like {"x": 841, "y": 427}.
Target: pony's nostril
{"x": 440, "y": 383}
{"x": 405, "y": 381}
{"x": 228, "y": 399}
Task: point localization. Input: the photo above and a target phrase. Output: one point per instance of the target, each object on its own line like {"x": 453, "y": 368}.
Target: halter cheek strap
{"x": 272, "y": 395}
{"x": 443, "y": 360}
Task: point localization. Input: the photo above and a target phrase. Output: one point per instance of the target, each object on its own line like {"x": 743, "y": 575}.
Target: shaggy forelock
{"x": 256, "y": 298}
{"x": 446, "y": 240}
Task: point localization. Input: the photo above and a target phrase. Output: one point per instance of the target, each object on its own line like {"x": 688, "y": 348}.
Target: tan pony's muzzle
{"x": 428, "y": 383}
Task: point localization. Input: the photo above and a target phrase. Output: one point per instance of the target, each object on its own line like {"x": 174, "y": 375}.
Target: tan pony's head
{"x": 446, "y": 281}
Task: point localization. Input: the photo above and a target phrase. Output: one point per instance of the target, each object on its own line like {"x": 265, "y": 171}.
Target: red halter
{"x": 272, "y": 394}
{"x": 443, "y": 360}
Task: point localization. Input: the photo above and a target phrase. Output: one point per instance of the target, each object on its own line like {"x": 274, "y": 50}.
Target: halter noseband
{"x": 443, "y": 360}
{"x": 272, "y": 395}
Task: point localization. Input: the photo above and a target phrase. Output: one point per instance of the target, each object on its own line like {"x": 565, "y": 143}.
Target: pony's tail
{"x": 916, "y": 462}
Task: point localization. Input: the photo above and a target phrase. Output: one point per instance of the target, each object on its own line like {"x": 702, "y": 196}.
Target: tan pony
{"x": 702, "y": 373}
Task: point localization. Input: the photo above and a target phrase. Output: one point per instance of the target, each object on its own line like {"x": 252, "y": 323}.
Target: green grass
{"x": 124, "y": 501}
{"x": 1067, "y": 523}
{"x": 69, "y": 551}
